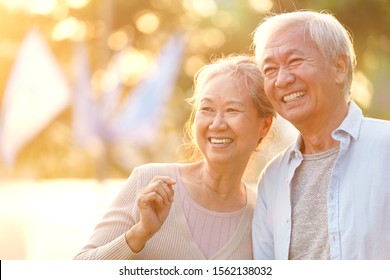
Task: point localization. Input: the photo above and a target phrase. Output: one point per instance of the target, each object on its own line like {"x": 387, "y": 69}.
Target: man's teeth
{"x": 293, "y": 96}
{"x": 220, "y": 141}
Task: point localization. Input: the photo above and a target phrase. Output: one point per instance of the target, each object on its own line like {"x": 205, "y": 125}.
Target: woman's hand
{"x": 154, "y": 203}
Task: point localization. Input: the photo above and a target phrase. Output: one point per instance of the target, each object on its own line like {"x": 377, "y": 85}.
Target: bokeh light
{"x": 212, "y": 38}
{"x": 118, "y": 40}
{"x": 204, "y": 8}
{"x": 262, "y": 6}
{"x": 133, "y": 64}
{"x": 362, "y": 90}
{"x": 147, "y": 22}
{"x": 122, "y": 40}
{"x": 70, "y": 28}
{"x": 77, "y": 4}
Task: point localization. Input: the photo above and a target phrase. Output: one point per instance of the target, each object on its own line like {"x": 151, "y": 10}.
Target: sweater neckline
{"x": 226, "y": 250}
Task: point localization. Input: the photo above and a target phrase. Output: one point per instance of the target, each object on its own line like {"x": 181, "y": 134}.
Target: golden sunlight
{"x": 212, "y": 37}
{"x": 29, "y": 208}
{"x": 222, "y": 19}
{"x": 262, "y": 6}
{"x": 204, "y": 8}
{"x": 190, "y": 20}
{"x": 192, "y": 64}
{"x": 70, "y": 28}
{"x": 78, "y": 4}
{"x": 362, "y": 90}
{"x": 127, "y": 67}
{"x": 118, "y": 40}
{"x": 370, "y": 60}
{"x": 133, "y": 65}
{"x": 108, "y": 80}
{"x": 147, "y": 22}
{"x": 43, "y": 7}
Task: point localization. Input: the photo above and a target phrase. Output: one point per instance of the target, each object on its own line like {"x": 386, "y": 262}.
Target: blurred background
{"x": 89, "y": 89}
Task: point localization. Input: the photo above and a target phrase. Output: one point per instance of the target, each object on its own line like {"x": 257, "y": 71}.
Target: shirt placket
{"x": 296, "y": 160}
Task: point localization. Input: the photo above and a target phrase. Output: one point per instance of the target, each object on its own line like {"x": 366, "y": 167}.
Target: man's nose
{"x": 284, "y": 77}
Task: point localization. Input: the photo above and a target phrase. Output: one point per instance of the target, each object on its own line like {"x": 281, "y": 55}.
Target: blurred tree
{"x": 137, "y": 30}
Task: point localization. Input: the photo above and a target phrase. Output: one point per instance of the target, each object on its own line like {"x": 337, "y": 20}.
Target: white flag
{"x": 36, "y": 92}
{"x": 91, "y": 114}
{"x": 140, "y": 120}
{"x": 86, "y": 123}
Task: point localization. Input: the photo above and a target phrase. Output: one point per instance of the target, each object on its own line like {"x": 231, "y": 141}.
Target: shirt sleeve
{"x": 263, "y": 242}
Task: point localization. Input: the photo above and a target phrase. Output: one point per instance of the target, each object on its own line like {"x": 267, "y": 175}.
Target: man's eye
{"x": 295, "y": 61}
{"x": 268, "y": 70}
{"x": 229, "y": 110}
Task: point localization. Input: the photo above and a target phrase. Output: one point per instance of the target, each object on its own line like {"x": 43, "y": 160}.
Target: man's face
{"x": 297, "y": 81}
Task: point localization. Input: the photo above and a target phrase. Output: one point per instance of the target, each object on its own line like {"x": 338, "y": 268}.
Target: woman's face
{"x": 227, "y": 124}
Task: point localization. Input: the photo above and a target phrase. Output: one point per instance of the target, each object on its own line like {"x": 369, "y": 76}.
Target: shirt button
{"x": 296, "y": 154}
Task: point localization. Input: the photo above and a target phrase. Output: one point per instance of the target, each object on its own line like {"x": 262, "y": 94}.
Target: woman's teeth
{"x": 220, "y": 141}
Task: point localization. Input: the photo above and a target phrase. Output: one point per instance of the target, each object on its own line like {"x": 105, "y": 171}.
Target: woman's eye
{"x": 206, "y": 109}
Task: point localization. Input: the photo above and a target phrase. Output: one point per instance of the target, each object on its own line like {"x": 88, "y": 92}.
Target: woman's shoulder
{"x": 155, "y": 169}
{"x": 141, "y": 175}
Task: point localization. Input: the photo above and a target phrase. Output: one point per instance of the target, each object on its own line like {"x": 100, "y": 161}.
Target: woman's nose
{"x": 218, "y": 122}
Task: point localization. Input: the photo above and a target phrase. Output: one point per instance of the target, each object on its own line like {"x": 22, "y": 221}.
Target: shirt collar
{"x": 350, "y": 125}
{"x": 295, "y": 150}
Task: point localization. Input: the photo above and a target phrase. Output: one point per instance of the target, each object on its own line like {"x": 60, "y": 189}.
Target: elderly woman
{"x": 202, "y": 209}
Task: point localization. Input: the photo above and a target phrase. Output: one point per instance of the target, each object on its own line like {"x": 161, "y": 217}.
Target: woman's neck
{"x": 217, "y": 190}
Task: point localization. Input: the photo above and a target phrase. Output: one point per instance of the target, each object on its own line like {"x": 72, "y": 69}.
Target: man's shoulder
{"x": 280, "y": 160}
{"x": 376, "y": 123}
{"x": 375, "y": 127}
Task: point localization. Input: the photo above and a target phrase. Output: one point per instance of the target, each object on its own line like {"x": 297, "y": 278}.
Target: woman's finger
{"x": 167, "y": 180}
{"x": 162, "y": 188}
{"x": 145, "y": 200}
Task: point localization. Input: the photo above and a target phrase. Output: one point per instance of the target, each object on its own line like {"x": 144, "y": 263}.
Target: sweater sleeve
{"x": 108, "y": 240}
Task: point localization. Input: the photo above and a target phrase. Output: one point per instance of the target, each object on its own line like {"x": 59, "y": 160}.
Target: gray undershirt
{"x": 309, "y": 194}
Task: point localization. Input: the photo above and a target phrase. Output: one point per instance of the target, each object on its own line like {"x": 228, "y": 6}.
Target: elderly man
{"x": 327, "y": 196}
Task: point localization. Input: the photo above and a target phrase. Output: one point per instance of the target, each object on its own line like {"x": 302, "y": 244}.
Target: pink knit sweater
{"x": 174, "y": 239}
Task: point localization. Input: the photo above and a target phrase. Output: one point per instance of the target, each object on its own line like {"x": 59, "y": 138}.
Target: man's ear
{"x": 341, "y": 68}
{"x": 266, "y": 126}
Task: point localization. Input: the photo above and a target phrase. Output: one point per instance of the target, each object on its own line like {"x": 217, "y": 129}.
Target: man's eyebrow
{"x": 268, "y": 58}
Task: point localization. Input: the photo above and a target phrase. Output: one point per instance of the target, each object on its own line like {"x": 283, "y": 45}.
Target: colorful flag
{"x": 36, "y": 92}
